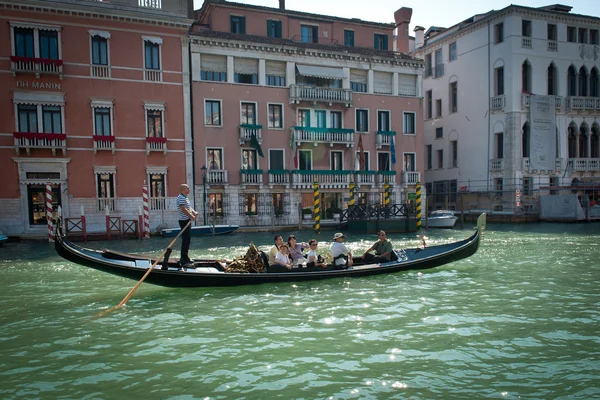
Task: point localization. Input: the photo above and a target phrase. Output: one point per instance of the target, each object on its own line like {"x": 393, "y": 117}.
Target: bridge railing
{"x": 374, "y": 211}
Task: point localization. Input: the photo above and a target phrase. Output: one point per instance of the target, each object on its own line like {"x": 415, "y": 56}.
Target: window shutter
{"x": 269, "y": 22}
{"x": 243, "y": 25}
{"x": 407, "y": 85}
{"x": 385, "y": 42}
{"x": 278, "y": 29}
{"x": 212, "y": 62}
{"x": 382, "y": 82}
{"x": 375, "y": 44}
{"x": 245, "y": 65}
{"x": 358, "y": 75}
{"x": 275, "y": 68}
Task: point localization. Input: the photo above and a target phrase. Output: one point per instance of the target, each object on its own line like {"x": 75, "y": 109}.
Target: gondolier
{"x": 186, "y": 213}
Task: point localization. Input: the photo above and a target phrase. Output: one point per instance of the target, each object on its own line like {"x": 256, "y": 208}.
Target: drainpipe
{"x": 489, "y": 114}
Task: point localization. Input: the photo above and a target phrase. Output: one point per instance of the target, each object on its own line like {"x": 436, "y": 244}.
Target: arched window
{"x": 594, "y": 83}
{"x": 571, "y": 82}
{"x": 583, "y": 141}
{"x": 583, "y": 81}
{"x": 552, "y": 80}
{"x": 525, "y": 139}
{"x": 595, "y": 142}
{"x": 526, "y": 75}
{"x": 572, "y": 141}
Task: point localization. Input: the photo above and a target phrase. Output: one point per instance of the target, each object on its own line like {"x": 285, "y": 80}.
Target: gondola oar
{"x": 126, "y": 299}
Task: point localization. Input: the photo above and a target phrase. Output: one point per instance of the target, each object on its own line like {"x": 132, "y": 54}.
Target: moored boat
{"x": 202, "y": 273}
{"x": 441, "y": 219}
{"x": 202, "y": 230}
{"x": 3, "y": 239}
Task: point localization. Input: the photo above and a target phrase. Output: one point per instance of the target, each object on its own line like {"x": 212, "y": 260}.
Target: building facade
{"x": 284, "y": 99}
{"x": 97, "y": 100}
{"x": 481, "y": 77}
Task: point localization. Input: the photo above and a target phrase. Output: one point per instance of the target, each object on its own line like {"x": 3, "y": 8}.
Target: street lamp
{"x": 204, "y": 186}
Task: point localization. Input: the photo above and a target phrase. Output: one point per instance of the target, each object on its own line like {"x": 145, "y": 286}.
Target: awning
{"x": 321, "y": 72}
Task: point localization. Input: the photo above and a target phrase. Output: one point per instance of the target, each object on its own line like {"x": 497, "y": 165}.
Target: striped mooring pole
{"x": 146, "y": 228}
{"x": 351, "y": 202}
{"x": 418, "y": 206}
{"x": 49, "y": 213}
{"x": 386, "y": 194}
{"x": 317, "y": 208}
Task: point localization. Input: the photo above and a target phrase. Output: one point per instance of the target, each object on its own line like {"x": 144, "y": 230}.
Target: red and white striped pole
{"x": 83, "y": 227}
{"x": 107, "y": 213}
{"x": 146, "y": 210}
{"x": 140, "y": 223}
{"x": 49, "y": 213}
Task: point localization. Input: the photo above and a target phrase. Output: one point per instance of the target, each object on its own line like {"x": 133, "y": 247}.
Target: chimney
{"x": 282, "y": 4}
{"x": 419, "y": 36}
{"x": 402, "y": 18}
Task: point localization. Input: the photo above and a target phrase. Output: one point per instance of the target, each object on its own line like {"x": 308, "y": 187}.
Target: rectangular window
{"x": 238, "y": 24}
{"x": 410, "y": 162}
{"x": 24, "y": 42}
{"x": 571, "y": 34}
{"x": 304, "y": 118}
{"x": 582, "y": 35}
{"x": 99, "y": 50}
{"x": 278, "y": 203}
{"x": 500, "y": 145}
{"x": 309, "y": 34}
{"x": 438, "y": 107}
{"x": 526, "y": 28}
{"x": 335, "y": 119}
{"x": 365, "y": 163}
{"x": 383, "y": 161}
{"x": 362, "y": 120}
{"x": 360, "y": 87}
{"x": 250, "y": 79}
{"x": 452, "y": 51}
{"x": 553, "y": 183}
{"x": 428, "y": 104}
{"x": 154, "y": 120}
{"x": 102, "y": 121}
{"x": 250, "y": 203}
{"x": 336, "y": 160}
{"x": 380, "y": 42}
{"x": 249, "y": 159}
{"x": 215, "y": 205}
{"x": 439, "y": 133}
{"x": 453, "y": 97}
{"x": 276, "y": 160}
{"x": 593, "y": 36}
{"x": 429, "y": 156}
{"x": 27, "y": 118}
{"x": 215, "y": 158}
{"x": 439, "y": 64}
{"x": 152, "y": 55}
{"x": 305, "y": 160}
{"x": 428, "y": 65}
{"x": 213, "y": 76}
{"x": 212, "y": 113}
{"x": 275, "y": 116}
{"x": 321, "y": 116}
{"x": 498, "y": 185}
{"x": 440, "y": 159}
{"x": 454, "y": 151}
{"x": 551, "y": 32}
{"x": 526, "y": 186}
{"x": 248, "y": 116}
{"x": 52, "y": 119}
{"x": 273, "y": 28}
{"x": 498, "y": 33}
{"x": 499, "y": 81}
{"x": 348, "y": 38}
{"x": 275, "y": 80}
{"x": 383, "y": 121}
{"x": 105, "y": 186}
{"x": 48, "y": 45}
{"x": 157, "y": 185}
{"x": 408, "y": 126}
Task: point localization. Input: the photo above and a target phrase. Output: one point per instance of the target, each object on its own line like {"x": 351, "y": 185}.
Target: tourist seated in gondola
{"x": 273, "y": 252}
{"x": 383, "y": 250}
{"x": 296, "y": 250}
{"x": 282, "y": 259}
{"x": 312, "y": 258}
{"x": 342, "y": 257}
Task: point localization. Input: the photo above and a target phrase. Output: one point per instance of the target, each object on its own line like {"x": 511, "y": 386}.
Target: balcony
{"x": 37, "y": 66}
{"x": 526, "y": 100}
{"x": 526, "y": 164}
{"x": 104, "y": 143}
{"x": 100, "y": 71}
{"x": 584, "y": 164}
{"x": 497, "y": 165}
{"x": 156, "y": 144}
{"x": 384, "y": 138}
{"x": 251, "y": 176}
{"x": 279, "y": 177}
{"x": 384, "y": 177}
{"x": 582, "y": 103}
{"x": 216, "y": 177}
{"x": 552, "y": 45}
{"x": 365, "y": 178}
{"x": 326, "y": 179}
{"x": 411, "y": 177}
{"x": 328, "y": 136}
{"x": 247, "y": 130}
{"x": 28, "y": 141}
{"x": 497, "y": 103}
{"x": 526, "y": 42}
{"x": 153, "y": 75}
{"x": 314, "y": 94}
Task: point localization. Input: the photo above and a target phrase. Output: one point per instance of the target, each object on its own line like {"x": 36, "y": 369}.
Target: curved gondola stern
{"x": 481, "y": 221}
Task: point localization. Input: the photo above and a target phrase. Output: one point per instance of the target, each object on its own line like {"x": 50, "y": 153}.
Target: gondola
{"x": 205, "y": 273}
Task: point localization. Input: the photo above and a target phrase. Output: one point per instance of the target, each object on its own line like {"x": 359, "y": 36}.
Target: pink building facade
{"x": 324, "y": 99}
{"x": 97, "y": 103}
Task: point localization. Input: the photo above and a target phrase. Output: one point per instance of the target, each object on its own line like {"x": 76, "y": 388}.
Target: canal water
{"x": 519, "y": 319}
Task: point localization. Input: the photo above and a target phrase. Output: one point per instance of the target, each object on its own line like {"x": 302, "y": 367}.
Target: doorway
{"x": 36, "y": 199}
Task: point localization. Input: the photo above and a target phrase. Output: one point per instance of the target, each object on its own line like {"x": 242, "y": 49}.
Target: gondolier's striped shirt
{"x": 183, "y": 201}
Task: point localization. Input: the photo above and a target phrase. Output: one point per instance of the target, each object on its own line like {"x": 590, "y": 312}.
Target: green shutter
{"x": 278, "y": 28}
{"x": 375, "y": 44}
{"x": 243, "y": 25}
{"x": 385, "y": 42}
{"x": 269, "y": 22}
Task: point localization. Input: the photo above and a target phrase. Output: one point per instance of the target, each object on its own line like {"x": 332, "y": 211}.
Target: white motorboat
{"x": 441, "y": 219}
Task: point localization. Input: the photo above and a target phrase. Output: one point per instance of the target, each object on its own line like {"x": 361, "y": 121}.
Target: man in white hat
{"x": 342, "y": 257}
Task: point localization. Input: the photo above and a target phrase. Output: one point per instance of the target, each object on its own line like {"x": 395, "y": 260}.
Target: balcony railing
{"x": 411, "y": 177}
{"x": 251, "y": 176}
{"x": 584, "y": 164}
{"x": 158, "y": 203}
{"x": 101, "y": 71}
{"x": 552, "y": 45}
{"x": 37, "y": 66}
{"x": 247, "y": 130}
{"x": 104, "y": 143}
{"x": 365, "y": 178}
{"x": 154, "y": 75}
{"x": 497, "y": 103}
{"x": 328, "y": 136}
{"x": 150, "y": 3}
{"x": 109, "y": 202}
{"x": 526, "y": 42}
{"x": 497, "y": 165}
{"x": 29, "y": 140}
{"x": 526, "y": 100}
{"x": 156, "y": 144}
{"x": 384, "y": 138}
{"x": 583, "y": 103}
{"x": 526, "y": 164}
{"x": 279, "y": 177}
{"x": 328, "y": 95}
{"x": 384, "y": 177}
{"x": 216, "y": 176}
{"x": 326, "y": 179}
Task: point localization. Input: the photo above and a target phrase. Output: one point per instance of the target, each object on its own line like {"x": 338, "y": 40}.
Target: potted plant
{"x": 307, "y": 213}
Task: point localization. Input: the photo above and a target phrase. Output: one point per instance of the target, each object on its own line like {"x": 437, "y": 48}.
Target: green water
{"x": 519, "y": 319}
